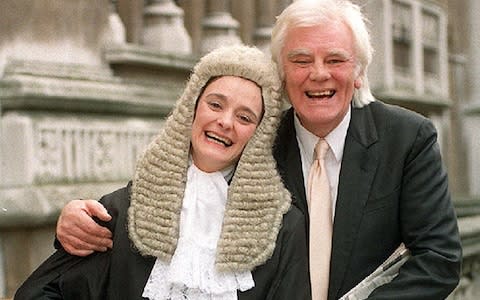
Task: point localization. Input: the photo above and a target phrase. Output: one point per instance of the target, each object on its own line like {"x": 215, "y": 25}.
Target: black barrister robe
{"x": 121, "y": 273}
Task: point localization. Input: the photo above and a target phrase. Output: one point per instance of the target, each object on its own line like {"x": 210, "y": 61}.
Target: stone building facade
{"x": 85, "y": 85}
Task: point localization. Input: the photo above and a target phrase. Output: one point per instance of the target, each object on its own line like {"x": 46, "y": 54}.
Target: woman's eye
{"x": 245, "y": 119}
{"x": 214, "y": 105}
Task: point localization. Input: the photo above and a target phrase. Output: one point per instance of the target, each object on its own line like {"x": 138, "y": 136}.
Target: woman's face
{"x": 227, "y": 114}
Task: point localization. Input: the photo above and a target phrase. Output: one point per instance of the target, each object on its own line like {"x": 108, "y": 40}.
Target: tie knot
{"x": 321, "y": 149}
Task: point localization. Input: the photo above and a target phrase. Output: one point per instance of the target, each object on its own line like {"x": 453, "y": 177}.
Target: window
{"x": 431, "y": 45}
{"x": 418, "y": 37}
{"x": 402, "y": 37}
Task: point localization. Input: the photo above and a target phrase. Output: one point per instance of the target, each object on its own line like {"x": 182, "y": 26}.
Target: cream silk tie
{"x": 320, "y": 210}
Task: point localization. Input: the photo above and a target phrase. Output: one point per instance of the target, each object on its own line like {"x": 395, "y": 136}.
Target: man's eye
{"x": 301, "y": 61}
{"x": 335, "y": 61}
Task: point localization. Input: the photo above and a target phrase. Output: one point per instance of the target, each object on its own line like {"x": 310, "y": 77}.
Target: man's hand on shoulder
{"x": 78, "y": 233}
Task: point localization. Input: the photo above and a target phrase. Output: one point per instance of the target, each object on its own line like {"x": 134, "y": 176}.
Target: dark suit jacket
{"x": 122, "y": 273}
{"x": 392, "y": 189}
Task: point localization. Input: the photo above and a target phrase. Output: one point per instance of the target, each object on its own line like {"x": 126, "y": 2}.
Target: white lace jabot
{"x": 191, "y": 273}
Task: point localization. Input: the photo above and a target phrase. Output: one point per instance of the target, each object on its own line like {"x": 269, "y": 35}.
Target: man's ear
{"x": 358, "y": 82}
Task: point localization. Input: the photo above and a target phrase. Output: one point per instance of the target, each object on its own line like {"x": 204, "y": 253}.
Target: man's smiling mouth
{"x": 218, "y": 139}
{"x": 320, "y": 95}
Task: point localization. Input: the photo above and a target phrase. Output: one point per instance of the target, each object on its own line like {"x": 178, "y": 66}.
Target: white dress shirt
{"x": 333, "y": 160}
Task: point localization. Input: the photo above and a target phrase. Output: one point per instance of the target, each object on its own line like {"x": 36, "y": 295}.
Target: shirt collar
{"x": 335, "y": 139}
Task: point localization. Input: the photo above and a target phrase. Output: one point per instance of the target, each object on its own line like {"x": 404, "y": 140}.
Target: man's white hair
{"x": 305, "y": 13}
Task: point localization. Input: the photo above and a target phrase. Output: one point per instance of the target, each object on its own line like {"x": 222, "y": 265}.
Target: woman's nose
{"x": 225, "y": 120}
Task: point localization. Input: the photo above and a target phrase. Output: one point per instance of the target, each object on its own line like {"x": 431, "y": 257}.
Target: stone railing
{"x": 71, "y": 149}
{"x": 468, "y": 211}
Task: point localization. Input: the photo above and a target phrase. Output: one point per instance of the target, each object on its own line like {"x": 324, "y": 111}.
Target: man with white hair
{"x": 387, "y": 182}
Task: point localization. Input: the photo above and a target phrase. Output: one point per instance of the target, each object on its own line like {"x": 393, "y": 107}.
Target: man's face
{"x": 320, "y": 75}
{"x": 226, "y": 117}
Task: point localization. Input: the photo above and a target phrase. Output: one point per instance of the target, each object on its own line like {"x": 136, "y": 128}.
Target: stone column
{"x": 473, "y": 15}
{"x": 131, "y": 13}
{"x": 472, "y": 105}
{"x": 164, "y": 29}
{"x": 219, "y": 27}
{"x": 194, "y": 12}
{"x": 265, "y": 11}
{"x": 115, "y": 34}
{"x": 244, "y": 11}
{"x": 455, "y": 154}
{"x": 2, "y": 268}
{"x": 281, "y": 5}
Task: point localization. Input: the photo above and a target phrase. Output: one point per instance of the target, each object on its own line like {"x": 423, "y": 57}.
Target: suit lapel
{"x": 359, "y": 165}
{"x": 287, "y": 154}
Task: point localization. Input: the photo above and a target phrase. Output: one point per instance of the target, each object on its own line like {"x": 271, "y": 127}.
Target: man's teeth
{"x": 219, "y": 139}
{"x": 328, "y": 93}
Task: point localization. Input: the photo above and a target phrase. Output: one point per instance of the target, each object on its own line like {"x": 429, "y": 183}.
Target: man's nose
{"x": 319, "y": 71}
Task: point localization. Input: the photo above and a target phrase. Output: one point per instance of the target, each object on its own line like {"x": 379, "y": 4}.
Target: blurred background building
{"x": 86, "y": 84}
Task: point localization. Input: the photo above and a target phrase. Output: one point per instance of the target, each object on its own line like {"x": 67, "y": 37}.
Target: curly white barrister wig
{"x": 257, "y": 199}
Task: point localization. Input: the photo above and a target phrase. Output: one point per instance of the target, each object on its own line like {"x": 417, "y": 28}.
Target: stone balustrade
{"x": 71, "y": 148}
